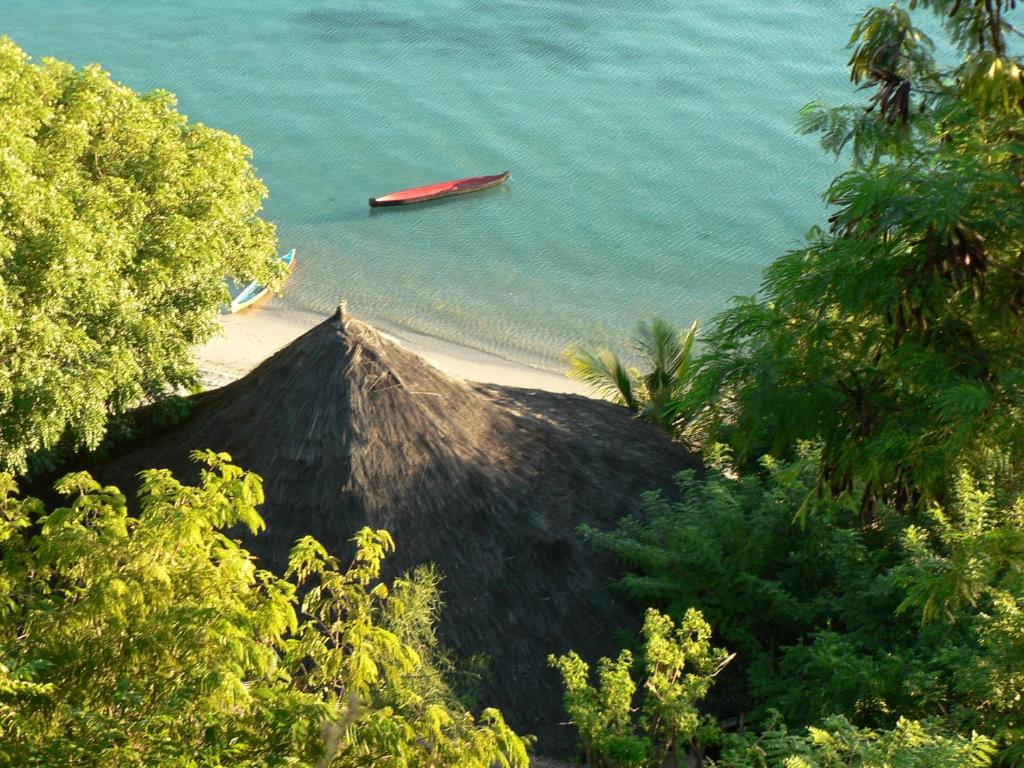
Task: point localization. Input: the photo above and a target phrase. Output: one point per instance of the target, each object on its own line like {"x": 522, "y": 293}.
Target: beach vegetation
{"x": 666, "y": 354}
{"x": 153, "y": 639}
{"x": 858, "y": 536}
{"x": 918, "y": 619}
{"x": 119, "y": 220}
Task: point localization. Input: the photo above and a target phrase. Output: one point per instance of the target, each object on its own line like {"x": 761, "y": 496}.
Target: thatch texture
{"x": 348, "y": 429}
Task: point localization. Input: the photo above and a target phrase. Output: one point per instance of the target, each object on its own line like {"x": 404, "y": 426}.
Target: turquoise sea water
{"x": 655, "y": 163}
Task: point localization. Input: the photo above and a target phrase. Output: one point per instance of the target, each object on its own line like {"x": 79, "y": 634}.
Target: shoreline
{"x": 249, "y": 338}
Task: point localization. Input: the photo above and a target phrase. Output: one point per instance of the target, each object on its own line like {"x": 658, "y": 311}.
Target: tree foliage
{"x": 156, "y": 641}
{"x": 872, "y": 585}
{"x": 118, "y": 221}
{"x": 894, "y": 335}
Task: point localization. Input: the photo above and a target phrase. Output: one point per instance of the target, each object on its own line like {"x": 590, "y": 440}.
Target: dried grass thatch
{"x": 348, "y": 429}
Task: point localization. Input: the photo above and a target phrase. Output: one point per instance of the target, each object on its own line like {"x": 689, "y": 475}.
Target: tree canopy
{"x": 894, "y": 335}
{"x": 119, "y": 220}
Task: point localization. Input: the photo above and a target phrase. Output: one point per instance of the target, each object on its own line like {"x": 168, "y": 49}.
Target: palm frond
{"x": 681, "y": 365}
{"x": 654, "y": 394}
{"x": 603, "y": 372}
{"x": 658, "y": 343}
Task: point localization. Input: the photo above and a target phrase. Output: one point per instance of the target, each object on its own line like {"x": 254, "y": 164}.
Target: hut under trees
{"x": 488, "y": 482}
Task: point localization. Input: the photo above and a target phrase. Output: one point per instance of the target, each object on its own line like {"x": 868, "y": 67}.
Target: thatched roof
{"x": 348, "y": 429}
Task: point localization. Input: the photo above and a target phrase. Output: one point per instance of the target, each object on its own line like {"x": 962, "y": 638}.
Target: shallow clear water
{"x": 655, "y": 163}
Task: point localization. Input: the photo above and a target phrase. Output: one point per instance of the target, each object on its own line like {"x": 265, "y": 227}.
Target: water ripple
{"x": 655, "y": 168}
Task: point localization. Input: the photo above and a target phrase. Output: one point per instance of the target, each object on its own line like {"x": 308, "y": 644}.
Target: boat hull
{"x": 439, "y": 191}
{"x": 254, "y": 293}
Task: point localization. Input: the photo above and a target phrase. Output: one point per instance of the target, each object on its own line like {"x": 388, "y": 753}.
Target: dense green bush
{"x": 679, "y": 665}
{"x": 838, "y": 744}
{"x": 156, "y": 641}
{"x": 918, "y": 618}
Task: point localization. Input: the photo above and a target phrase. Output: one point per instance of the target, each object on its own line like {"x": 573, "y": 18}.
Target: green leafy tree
{"x": 118, "y": 221}
{"x": 667, "y": 351}
{"x": 894, "y": 335}
{"x": 156, "y": 641}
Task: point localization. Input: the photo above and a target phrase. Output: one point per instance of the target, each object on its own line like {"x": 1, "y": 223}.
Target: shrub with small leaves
{"x": 156, "y": 641}
{"x": 837, "y": 743}
{"x": 680, "y": 665}
{"x": 916, "y": 617}
{"x": 603, "y": 715}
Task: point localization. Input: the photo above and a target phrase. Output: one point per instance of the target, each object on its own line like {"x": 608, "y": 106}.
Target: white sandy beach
{"x": 252, "y": 336}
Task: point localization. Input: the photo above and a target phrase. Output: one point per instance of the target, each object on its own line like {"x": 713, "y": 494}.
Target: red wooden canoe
{"x": 436, "y": 191}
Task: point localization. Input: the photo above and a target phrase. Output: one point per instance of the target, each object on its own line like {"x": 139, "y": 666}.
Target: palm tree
{"x": 654, "y": 395}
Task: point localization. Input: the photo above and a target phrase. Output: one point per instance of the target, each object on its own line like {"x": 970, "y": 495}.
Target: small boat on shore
{"x": 254, "y": 291}
{"x": 437, "y": 191}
